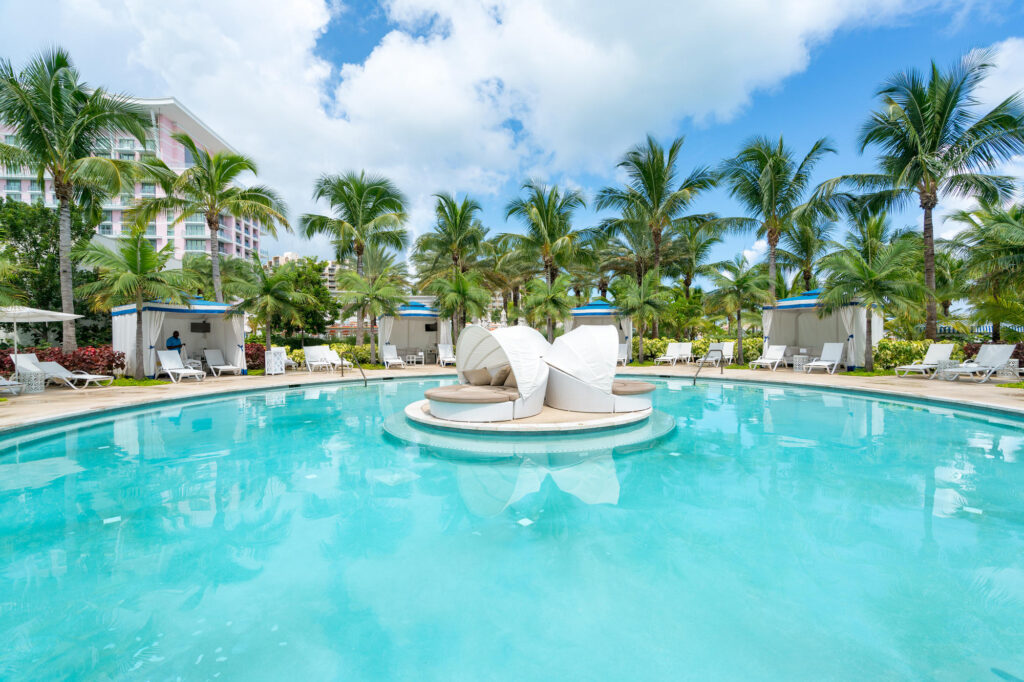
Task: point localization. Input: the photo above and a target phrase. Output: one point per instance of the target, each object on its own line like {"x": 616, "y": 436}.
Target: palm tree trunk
{"x": 140, "y": 368}
{"x": 739, "y": 336}
{"x": 930, "y": 325}
{"x": 773, "y": 242}
{"x": 641, "y": 342}
{"x": 67, "y": 295}
{"x": 996, "y": 331}
{"x": 515, "y": 304}
{"x": 807, "y": 279}
{"x": 687, "y": 282}
{"x": 359, "y": 313}
{"x": 869, "y": 351}
{"x": 266, "y": 335}
{"x": 214, "y": 230}
{"x": 551, "y": 330}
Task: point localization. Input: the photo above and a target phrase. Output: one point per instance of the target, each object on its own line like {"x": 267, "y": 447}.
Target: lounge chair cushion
{"x": 478, "y": 377}
{"x": 500, "y": 375}
{"x": 468, "y": 393}
{"x": 630, "y": 387}
{"x": 510, "y": 381}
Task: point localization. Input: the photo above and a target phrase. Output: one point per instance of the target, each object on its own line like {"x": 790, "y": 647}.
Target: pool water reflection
{"x": 775, "y": 534}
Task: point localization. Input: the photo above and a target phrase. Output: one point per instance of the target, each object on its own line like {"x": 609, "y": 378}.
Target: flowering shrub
{"x": 92, "y": 359}
{"x": 298, "y": 356}
{"x": 254, "y": 358}
{"x": 362, "y": 351}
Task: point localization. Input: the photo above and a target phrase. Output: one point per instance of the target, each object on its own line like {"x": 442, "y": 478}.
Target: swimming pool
{"x": 776, "y": 533}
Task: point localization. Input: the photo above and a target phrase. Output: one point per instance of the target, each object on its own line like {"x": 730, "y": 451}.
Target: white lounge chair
{"x": 937, "y": 352}
{"x": 335, "y": 360}
{"x": 171, "y": 365}
{"x": 389, "y": 354}
{"x": 315, "y": 359}
{"x": 445, "y": 354}
{"x": 990, "y": 359}
{"x": 831, "y": 357}
{"x": 771, "y": 359}
{"x": 215, "y": 361}
{"x": 623, "y": 355}
{"x": 719, "y": 352}
{"x": 12, "y": 387}
{"x": 676, "y": 352}
{"x": 58, "y": 374}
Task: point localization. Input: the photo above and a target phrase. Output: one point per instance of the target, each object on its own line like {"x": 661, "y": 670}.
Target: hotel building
{"x": 235, "y": 238}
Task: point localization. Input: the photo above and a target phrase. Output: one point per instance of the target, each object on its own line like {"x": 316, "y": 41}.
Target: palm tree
{"x": 951, "y": 279}
{"x": 693, "y": 238}
{"x": 10, "y": 275}
{"x": 547, "y": 216}
{"x": 548, "y": 301}
{"x": 767, "y": 180}
{"x": 235, "y": 273}
{"x": 366, "y": 210}
{"x": 134, "y": 273}
{"x": 879, "y": 278}
{"x": 644, "y": 300}
{"x": 59, "y": 122}
{"x": 804, "y": 246}
{"x": 457, "y": 233}
{"x": 934, "y": 142}
{"x": 738, "y": 285}
{"x": 459, "y": 297}
{"x": 208, "y": 189}
{"x": 651, "y": 190}
{"x": 376, "y": 294}
{"x": 271, "y": 296}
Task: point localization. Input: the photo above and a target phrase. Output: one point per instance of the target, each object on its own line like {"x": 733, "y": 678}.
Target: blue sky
{"x": 478, "y": 95}
{"x": 831, "y": 97}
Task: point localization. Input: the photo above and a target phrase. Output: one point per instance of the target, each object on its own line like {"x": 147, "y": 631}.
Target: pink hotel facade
{"x": 238, "y": 238}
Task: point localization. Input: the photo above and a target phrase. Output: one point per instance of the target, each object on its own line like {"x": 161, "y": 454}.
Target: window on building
{"x": 151, "y": 229}
{"x": 189, "y": 159}
{"x": 150, "y": 144}
{"x": 11, "y": 140}
{"x": 195, "y": 245}
{"x": 12, "y": 185}
{"x": 34, "y": 186}
{"x": 126, "y": 156}
{"x": 107, "y": 225}
{"x": 14, "y": 196}
{"x": 33, "y": 197}
{"x": 148, "y": 189}
{"x": 126, "y": 143}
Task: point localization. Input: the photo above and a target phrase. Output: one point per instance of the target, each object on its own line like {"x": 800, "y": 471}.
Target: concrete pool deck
{"x": 57, "y": 403}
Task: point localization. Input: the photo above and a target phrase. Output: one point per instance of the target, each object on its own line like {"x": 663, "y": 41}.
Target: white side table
{"x": 34, "y": 382}
{"x": 274, "y": 361}
{"x": 1010, "y": 370}
{"x": 800, "y": 362}
{"x": 941, "y": 366}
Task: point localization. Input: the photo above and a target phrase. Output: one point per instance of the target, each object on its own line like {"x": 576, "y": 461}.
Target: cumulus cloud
{"x": 757, "y": 251}
{"x": 462, "y": 95}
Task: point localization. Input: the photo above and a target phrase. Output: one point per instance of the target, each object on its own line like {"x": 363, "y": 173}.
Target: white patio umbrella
{"x": 19, "y": 313}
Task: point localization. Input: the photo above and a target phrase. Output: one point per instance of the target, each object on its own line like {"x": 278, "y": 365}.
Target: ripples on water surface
{"x": 775, "y": 534}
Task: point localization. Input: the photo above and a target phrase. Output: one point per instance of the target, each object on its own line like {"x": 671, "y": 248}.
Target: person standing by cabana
{"x": 174, "y": 342}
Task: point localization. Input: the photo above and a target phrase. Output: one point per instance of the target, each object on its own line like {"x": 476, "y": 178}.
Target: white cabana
{"x": 795, "y": 323}
{"x": 201, "y": 325}
{"x": 582, "y": 374}
{"x": 521, "y": 348}
{"x": 413, "y": 329}
{"x": 600, "y": 312}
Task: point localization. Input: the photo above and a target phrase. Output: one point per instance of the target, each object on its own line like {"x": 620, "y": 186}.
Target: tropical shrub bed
{"x": 92, "y": 359}
{"x": 971, "y": 349}
{"x": 254, "y": 355}
{"x": 653, "y": 348}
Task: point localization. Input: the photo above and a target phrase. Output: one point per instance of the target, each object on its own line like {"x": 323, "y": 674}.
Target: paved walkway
{"x": 56, "y": 403}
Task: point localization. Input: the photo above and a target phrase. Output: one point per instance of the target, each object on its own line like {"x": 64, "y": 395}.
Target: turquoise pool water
{"x": 774, "y": 534}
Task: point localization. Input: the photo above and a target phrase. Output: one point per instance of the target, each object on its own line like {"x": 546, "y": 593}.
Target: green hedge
{"x": 890, "y": 353}
{"x": 752, "y": 347}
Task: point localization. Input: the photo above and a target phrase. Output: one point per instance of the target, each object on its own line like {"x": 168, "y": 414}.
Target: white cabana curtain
{"x": 152, "y": 325}
{"x": 767, "y": 314}
{"x": 848, "y": 314}
{"x": 567, "y": 325}
{"x": 123, "y": 331}
{"x": 445, "y": 327}
{"x": 384, "y": 326}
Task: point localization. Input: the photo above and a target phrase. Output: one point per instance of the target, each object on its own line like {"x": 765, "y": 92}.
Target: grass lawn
{"x": 256, "y": 372}
{"x": 128, "y": 381}
{"x": 1015, "y": 384}
{"x": 865, "y": 373}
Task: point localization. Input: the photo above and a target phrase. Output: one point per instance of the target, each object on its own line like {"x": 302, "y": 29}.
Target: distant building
{"x": 286, "y": 257}
{"x": 239, "y": 238}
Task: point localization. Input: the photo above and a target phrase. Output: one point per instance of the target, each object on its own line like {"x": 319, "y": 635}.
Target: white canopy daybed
{"x": 201, "y": 325}
{"x": 582, "y": 374}
{"x": 600, "y": 312}
{"x": 486, "y": 393}
{"x": 795, "y": 323}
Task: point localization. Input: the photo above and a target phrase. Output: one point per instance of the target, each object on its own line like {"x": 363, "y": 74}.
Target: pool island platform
{"x": 548, "y": 420}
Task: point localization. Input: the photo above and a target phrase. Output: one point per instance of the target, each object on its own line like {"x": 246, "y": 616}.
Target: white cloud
{"x": 464, "y": 95}
{"x": 756, "y": 252}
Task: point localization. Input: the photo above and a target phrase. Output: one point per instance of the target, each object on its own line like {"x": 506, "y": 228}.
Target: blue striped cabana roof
{"x": 194, "y": 306}
{"x": 596, "y": 308}
{"x": 416, "y": 309}
{"x": 808, "y": 299}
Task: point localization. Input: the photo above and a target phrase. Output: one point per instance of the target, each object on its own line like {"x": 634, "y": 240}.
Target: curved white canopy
{"x": 522, "y": 348}
{"x": 587, "y": 353}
